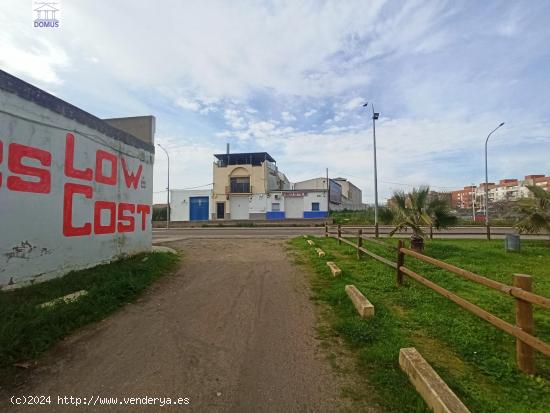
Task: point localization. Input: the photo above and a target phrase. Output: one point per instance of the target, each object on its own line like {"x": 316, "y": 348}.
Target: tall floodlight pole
{"x": 167, "y": 188}
{"x": 487, "y": 184}
{"x": 375, "y": 116}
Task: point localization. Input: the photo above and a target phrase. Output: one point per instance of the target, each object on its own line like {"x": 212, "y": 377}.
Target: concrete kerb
{"x": 363, "y": 306}
{"x": 435, "y": 392}
{"x": 334, "y": 269}
{"x": 69, "y": 298}
{"x": 161, "y": 248}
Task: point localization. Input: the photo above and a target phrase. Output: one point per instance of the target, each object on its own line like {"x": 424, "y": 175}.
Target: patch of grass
{"x": 27, "y": 331}
{"x": 475, "y": 359}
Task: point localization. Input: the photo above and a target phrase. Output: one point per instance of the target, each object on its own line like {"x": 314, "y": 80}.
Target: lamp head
{"x": 501, "y": 124}
{"x": 366, "y": 104}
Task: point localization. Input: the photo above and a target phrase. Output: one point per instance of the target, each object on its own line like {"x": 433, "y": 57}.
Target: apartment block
{"x": 506, "y": 190}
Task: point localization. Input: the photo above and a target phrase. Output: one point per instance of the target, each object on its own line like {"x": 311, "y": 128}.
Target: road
{"x": 233, "y": 330}
{"x": 175, "y": 234}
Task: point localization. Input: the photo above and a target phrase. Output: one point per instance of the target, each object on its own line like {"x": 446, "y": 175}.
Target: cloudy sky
{"x": 290, "y": 78}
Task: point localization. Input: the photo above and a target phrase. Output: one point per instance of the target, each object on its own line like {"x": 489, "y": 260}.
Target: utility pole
{"x": 167, "y": 189}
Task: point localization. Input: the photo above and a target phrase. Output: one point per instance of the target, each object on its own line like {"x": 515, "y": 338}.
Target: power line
{"x": 184, "y": 189}
{"x": 343, "y": 174}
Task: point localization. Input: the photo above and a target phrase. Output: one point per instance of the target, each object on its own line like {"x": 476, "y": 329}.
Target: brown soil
{"x": 233, "y": 330}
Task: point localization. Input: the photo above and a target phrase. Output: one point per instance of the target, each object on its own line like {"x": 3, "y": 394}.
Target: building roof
{"x": 250, "y": 158}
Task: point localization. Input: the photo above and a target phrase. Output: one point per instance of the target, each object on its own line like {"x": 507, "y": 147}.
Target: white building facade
{"x": 249, "y": 186}
{"x": 190, "y": 205}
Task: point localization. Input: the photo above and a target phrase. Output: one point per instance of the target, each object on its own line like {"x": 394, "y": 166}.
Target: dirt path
{"x": 233, "y": 331}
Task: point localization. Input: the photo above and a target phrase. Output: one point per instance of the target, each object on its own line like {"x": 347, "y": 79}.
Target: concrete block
{"x": 310, "y": 242}
{"x": 435, "y": 392}
{"x": 161, "y": 248}
{"x": 334, "y": 269}
{"x": 320, "y": 252}
{"x": 363, "y": 306}
{"x": 69, "y": 298}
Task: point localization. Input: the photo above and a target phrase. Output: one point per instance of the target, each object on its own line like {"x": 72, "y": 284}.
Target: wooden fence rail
{"x": 466, "y": 230}
{"x": 523, "y": 330}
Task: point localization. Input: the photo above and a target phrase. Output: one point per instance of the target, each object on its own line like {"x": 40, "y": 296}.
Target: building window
{"x": 275, "y": 206}
{"x": 240, "y": 185}
{"x": 315, "y": 206}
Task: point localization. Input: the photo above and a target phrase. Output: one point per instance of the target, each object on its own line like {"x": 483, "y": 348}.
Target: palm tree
{"x": 440, "y": 212}
{"x": 534, "y": 212}
{"x": 414, "y": 210}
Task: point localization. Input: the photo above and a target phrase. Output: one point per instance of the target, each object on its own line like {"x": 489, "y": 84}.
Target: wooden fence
{"x": 521, "y": 292}
{"x": 464, "y": 231}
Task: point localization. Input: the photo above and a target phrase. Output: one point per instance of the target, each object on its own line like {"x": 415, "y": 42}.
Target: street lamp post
{"x": 487, "y": 185}
{"x": 167, "y": 188}
{"x": 375, "y": 116}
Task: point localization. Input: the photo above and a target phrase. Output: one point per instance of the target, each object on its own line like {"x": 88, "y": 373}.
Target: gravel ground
{"x": 232, "y": 331}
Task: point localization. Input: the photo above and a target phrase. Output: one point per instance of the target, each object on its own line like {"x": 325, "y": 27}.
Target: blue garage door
{"x": 198, "y": 208}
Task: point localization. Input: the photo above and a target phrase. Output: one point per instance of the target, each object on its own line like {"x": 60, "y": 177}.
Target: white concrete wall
{"x": 294, "y": 207}
{"x": 41, "y": 234}
{"x": 315, "y": 183}
{"x": 258, "y": 204}
{"x": 315, "y": 197}
{"x": 272, "y": 199}
{"x": 179, "y": 203}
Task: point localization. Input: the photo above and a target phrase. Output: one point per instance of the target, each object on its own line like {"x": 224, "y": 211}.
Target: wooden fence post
{"x": 524, "y": 320}
{"x": 339, "y": 234}
{"x": 326, "y": 230}
{"x": 400, "y": 262}
{"x": 359, "y": 243}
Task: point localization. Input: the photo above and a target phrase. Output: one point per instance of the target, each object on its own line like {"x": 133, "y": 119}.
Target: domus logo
{"x": 46, "y": 14}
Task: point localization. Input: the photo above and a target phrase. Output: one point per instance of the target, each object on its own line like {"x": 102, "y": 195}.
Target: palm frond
{"x": 534, "y": 212}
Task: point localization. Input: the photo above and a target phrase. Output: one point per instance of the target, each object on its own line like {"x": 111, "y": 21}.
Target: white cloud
{"x": 41, "y": 62}
{"x": 354, "y": 103}
{"x": 188, "y": 104}
{"x": 288, "y": 117}
{"x": 234, "y": 119}
{"x": 243, "y": 71}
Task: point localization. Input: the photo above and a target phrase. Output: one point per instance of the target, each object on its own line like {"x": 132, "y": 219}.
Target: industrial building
{"x": 250, "y": 186}
{"x": 343, "y": 195}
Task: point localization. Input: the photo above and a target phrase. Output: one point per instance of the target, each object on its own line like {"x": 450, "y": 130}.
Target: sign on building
{"x": 74, "y": 191}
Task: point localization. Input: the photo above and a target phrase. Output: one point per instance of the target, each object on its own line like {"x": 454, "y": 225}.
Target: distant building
{"x": 506, "y": 190}
{"x": 320, "y": 184}
{"x": 352, "y": 196}
{"x": 432, "y": 195}
{"x": 443, "y": 196}
{"x": 343, "y": 195}
{"x": 242, "y": 183}
{"x": 251, "y": 186}
{"x": 463, "y": 198}
{"x": 190, "y": 205}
